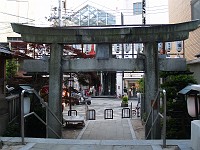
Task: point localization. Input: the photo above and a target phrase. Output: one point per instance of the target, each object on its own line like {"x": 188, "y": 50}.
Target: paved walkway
{"x": 108, "y": 130}
{"x": 99, "y": 134}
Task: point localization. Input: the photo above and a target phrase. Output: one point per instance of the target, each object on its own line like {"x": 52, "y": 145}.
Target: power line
{"x": 16, "y": 16}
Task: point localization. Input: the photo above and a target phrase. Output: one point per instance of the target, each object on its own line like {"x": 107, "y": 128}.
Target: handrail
{"x": 47, "y": 110}
{"x": 33, "y": 113}
{"x": 156, "y": 97}
{"x": 163, "y": 116}
{"x": 13, "y": 102}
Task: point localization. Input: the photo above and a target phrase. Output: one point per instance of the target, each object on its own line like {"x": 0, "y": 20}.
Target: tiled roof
{"x": 5, "y": 50}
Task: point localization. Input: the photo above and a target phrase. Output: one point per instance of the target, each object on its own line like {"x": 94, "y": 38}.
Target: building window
{"x": 137, "y": 8}
{"x": 195, "y": 5}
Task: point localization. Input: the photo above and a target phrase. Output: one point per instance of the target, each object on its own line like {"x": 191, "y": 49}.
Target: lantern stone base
{"x": 195, "y": 136}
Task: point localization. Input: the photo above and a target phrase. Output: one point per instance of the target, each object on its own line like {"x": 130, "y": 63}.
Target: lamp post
{"x": 71, "y": 81}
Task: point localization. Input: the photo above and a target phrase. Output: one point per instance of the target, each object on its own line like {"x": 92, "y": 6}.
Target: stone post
{"x": 151, "y": 86}
{"x": 55, "y": 88}
{"x": 195, "y": 136}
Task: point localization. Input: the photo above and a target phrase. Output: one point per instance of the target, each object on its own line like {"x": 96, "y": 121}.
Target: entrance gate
{"x": 149, "y": 62}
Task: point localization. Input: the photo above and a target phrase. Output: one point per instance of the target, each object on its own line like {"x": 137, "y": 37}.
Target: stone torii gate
{"x": 104, "y": 36}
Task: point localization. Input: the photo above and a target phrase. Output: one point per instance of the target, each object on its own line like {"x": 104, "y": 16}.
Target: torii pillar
{"x": 55, "y": 86}
{"x": 151, "y": 85}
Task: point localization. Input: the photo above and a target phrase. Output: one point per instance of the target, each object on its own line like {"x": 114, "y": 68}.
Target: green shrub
{"x": 13, "y": 130}
{"x": 125, "y": 99}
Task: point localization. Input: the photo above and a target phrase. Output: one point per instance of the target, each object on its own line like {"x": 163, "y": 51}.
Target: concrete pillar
{"x": 151, "y": 86}
{"x": 195, "y": 136}
{"x": 55, "y": 88}
{"x": 104, "y": 51}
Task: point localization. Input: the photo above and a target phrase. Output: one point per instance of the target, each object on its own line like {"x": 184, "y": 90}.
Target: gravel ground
{"x": 138, "y": 128}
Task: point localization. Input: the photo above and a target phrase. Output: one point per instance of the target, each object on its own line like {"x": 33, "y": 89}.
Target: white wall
{"x": 32, "y": 12}
{"x": 157, "y": 12}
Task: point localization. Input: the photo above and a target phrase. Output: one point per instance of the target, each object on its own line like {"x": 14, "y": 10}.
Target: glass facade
{"x": 195, "y": 4}
{"x": 91, "y": 16}
{"x": 137, "y": 8}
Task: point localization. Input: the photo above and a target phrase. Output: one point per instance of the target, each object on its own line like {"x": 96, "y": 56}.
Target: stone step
{"x": 41, "y": 143}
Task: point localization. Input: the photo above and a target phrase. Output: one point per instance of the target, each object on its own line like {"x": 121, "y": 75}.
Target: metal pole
{"x": 164, "y": 120}
{"x": 59, "y": 12}
{"x": 131, "y": 110}
{"x": 70, "y": 95}
{"x": 152, "y": 120}
{"x": 143, "y": 12}
{"x": 122, "y": 23}
{"x": 47, "y": 131}
{"x": 22, "y": 116}
{"x": 196, "y": 107}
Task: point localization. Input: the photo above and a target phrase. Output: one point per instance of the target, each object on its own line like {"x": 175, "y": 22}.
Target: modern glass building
{"x": 91, "y": 16}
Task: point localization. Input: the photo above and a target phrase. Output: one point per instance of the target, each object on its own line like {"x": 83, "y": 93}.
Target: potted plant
{"x": 124, "y": 102}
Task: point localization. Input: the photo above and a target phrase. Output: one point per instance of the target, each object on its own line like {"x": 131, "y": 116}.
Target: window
{"x": 195, "y": 5}
{"x": 137, "y": 8}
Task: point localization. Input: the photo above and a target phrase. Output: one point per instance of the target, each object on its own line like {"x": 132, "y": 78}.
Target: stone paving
{"x": 99, "y": 134}
{"x": 108, "y": 130}
{"x": 101, "y": 129}
{"x": 100, "y": 104}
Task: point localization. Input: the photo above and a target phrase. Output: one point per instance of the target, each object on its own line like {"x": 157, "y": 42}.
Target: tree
{"x": 11, "y": 68}
{"x": 178, "y": 122}
{"x": 140, "y": 82}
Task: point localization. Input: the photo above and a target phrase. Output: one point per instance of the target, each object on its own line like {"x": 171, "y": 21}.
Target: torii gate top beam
{"x": 106, "y": 34}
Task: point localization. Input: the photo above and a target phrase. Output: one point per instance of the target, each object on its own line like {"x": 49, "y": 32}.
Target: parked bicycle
{"x": 136, "y": 110}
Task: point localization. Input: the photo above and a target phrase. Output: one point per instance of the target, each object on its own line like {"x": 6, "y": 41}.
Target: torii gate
{"x": 104, "y": 36}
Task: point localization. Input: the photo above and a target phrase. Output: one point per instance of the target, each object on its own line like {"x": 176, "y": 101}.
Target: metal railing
{"x": 33, "y": 113}
{"x": 13, "y": 107}
{"x": 163, "y": 116}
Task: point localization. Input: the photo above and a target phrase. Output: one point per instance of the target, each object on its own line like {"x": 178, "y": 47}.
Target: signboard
{"x": 179, "y": 46}
{"x": 168, "y": 46}
{"x": 160, "y": 46}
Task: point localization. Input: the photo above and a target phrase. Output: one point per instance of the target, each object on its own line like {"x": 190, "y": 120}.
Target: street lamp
{"x": 191, "y": 92}
{"x": 71, "y": 82}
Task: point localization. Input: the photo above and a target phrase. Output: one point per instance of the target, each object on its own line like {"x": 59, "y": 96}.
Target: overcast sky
{"x": 157, "y": 12}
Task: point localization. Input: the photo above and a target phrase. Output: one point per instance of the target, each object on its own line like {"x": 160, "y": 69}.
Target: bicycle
{"x": 136, "y": 110}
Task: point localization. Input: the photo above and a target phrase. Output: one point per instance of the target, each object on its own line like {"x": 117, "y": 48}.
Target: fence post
{"x": 22, "y": 116}
{"x": 164, "y": 120}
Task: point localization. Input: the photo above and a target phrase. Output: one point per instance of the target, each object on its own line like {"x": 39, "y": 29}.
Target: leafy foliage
{"x": 11, "y": 68}
{"x": 141, "y": 85}
{"x": 178, "y": 122}
{"x": 125, "y": 99}
{"x": 13, "y": 130}
{"x": 88, "y": 78}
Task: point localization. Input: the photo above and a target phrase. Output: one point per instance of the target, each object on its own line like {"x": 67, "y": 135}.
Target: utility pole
{"x": 143, "y": 12}
{"x": 59, "y": 13}
{"x": 122, "y": 23}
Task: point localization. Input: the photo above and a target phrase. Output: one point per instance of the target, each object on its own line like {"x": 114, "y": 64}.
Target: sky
{"x": 40, "y": 11}
{"x": 157, "y": 12}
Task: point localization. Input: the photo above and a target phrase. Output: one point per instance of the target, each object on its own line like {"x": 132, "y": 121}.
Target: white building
{"x": 32, "y": 12}
{"x": 131, "y": 12}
